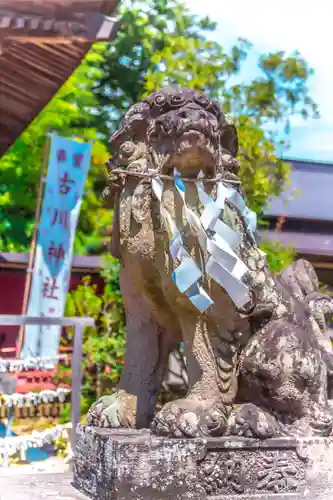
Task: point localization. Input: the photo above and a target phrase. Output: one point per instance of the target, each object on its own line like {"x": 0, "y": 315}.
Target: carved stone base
{"x": 127, "y": 464}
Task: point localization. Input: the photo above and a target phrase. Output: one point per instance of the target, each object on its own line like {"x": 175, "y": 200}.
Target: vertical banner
{"x": 69, "y": 163}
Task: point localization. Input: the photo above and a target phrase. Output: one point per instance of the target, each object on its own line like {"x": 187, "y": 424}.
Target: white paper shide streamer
{"x": 34, "y": 398}
{"x": 187, "y": 274}
{"x": 21, "y": 365}
{"x": 10, "y": 446}
{"x": 216, "y": 239}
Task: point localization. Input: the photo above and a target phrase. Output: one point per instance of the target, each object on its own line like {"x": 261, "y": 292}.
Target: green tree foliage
{"x": 103, "y": 344}
{"x": 69, "y": 113}
{"x": 278, "y": 255}
{"x": 161, "y": 43}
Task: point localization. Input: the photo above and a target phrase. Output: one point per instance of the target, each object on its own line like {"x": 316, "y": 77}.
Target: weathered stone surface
{"x": 38, "y": 487}
{"x": 267, "y": 354}
{"x": 258, "y": 367}
{"x": 129, "y": 464}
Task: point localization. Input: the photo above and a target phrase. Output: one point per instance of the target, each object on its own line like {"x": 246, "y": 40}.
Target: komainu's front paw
{"x": 319, "y": 422}
{"x": 114, "y": 411}
{"x": 251, "y": 421}
{"x": 191, "y": 418}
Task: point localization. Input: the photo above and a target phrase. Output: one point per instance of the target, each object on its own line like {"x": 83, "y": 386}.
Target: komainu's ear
{"x": 108, "y": 197}
{"x": 114, "y": 183}
{"x": 229, "y": 139}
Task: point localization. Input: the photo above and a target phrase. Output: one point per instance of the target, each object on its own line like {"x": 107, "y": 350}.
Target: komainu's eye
{"x": 201, "y": 100}
{"x": 159, "y": 100}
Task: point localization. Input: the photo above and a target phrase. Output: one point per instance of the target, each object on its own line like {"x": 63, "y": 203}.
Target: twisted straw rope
{"x": 122, "y": 172}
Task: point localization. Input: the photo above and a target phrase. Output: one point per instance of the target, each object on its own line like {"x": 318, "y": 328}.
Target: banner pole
{"x": 33, "y": 246}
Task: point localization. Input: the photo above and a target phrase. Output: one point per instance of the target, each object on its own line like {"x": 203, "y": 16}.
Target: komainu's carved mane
{"x": 273, "y": 358}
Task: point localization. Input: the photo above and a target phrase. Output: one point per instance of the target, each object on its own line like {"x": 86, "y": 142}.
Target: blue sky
{"x": 287, "y": 25}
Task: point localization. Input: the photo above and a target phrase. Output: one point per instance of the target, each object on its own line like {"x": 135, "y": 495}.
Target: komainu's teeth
{"x": 225, "y": 377}
{"x": 226, "y": 367}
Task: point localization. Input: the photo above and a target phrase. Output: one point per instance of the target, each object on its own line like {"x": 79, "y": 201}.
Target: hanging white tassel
{"x": 34, "y": 398}
{"x": 215, "y": 237}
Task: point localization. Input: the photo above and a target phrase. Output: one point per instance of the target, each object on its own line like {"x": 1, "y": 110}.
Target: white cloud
{"x": 321, "y": 140}
{"x": 298, "y": 121}
{"x": 285, "y": 25}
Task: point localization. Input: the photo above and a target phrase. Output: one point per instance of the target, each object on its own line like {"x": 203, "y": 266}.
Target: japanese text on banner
{"x": 69, "y": 163}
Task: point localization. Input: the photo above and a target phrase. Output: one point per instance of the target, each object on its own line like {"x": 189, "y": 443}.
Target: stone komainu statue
{"x": 258, "y": 355}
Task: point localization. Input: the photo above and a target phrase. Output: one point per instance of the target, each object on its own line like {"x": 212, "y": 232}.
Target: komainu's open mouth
{"x": 190, "y": 153}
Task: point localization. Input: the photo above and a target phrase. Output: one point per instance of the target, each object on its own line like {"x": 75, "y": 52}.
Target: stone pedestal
{"x": 127, "y": 464}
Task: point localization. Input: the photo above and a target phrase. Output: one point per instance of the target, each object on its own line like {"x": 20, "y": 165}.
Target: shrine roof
{"x": 308, "y": 194}
{"x": 91, "y": 263}
{"x": 305, "y": 244}
{"x": 41, "y": 43}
